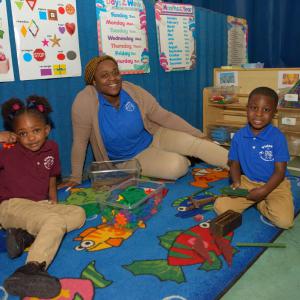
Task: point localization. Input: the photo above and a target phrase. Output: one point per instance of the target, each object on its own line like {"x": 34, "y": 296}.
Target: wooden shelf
{"x": 234, "y": 115}
{"x": 226, "y": 124}
{"x": 229, "y": 105}
{"x": 286, "y": 131}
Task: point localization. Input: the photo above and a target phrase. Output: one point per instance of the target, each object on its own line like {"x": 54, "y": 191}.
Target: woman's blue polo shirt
{"x": 257, "y": 154}
{"x": 122, "y": 129}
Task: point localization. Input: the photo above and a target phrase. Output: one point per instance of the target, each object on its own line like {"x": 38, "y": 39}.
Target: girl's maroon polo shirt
{"x": 26, "y": 174}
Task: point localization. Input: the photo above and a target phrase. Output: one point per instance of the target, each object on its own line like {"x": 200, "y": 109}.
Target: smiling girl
{"x": 28, "y": 199}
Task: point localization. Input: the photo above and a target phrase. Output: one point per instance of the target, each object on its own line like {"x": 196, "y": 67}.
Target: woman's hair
{"x": 35, "y": 105}
{"x": 92, "y": 65}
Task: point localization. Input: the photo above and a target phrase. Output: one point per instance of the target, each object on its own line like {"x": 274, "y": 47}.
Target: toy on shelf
{"x": 224, "y": 95}
{"x": 219, "y": 134}
{"x": 291, "y": 98}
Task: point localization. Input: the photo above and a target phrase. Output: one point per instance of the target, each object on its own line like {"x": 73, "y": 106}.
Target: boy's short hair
{"x": 266, "y": 91}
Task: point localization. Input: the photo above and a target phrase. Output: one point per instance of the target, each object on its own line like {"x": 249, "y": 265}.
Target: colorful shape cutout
{"x": 31, "y": 3}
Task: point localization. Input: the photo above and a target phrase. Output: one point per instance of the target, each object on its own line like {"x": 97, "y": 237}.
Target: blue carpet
{"x": 112, "y": 280}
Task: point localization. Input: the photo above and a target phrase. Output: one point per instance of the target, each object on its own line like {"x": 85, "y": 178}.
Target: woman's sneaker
{"x": 31, "y": 280}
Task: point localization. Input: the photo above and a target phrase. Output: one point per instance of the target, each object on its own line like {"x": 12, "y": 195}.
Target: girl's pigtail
{"x": 10, "y": 109}
{"x": 40, "y": 104}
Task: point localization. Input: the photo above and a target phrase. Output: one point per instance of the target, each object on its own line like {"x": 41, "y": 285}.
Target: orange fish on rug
{"x": 203, "y": 176}
{"x": 102, "y": 237}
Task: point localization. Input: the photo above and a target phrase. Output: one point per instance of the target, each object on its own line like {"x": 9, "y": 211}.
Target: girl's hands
{"x": 7, "y": 137}
{"x": 67, "y": 184}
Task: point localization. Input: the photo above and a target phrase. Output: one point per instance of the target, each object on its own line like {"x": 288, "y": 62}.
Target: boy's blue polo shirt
{"x": 257, "y": 154}
{"x": 122, "y": 129}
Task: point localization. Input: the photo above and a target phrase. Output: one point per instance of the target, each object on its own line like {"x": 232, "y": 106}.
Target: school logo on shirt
{"x": 48, "y": 162}
{"x": 129, "y": 106}
{"x": 266, "y": 153}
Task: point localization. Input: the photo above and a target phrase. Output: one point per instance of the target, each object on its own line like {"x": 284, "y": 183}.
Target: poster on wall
{"x": 237, "y": 41}
{"x": 6, "y": 67}
{"x": 46, "y": 35}
{"x": 122, "y": 33}
{"x": 176, "y": 26}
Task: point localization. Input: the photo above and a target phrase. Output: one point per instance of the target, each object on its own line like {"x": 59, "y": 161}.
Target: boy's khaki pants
{"x": 278, "y": 207}
{"x": 47, "y": 222}
{"x": 166, "y": 156}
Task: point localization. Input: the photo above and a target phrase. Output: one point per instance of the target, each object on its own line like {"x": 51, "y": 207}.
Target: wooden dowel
{"x": 269, "y": 245}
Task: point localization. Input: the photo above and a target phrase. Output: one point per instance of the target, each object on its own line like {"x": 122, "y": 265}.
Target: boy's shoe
{"x": 17, "y": 240}
{"x": 31, "y": 280}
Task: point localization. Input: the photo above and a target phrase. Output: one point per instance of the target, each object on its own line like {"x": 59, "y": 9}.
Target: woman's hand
{"x": 67, "y": 184}
{"x": 7, "y": 137}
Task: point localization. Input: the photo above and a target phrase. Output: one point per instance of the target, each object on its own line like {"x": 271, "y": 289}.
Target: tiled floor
{"x": 275, "y": 275}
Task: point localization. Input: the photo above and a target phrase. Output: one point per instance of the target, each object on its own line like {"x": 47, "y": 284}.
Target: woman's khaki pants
{"x": 166, "y": 156}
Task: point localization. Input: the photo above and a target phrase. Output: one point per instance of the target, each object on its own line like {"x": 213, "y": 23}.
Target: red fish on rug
{"x": 198, "y": 245}
{"x": 195, "y": 245}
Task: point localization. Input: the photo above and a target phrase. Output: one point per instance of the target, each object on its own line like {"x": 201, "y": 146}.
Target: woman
{"x": 123, "y": 121}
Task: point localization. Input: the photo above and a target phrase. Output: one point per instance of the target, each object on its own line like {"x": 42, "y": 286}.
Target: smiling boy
{"x": 258, "y": 161}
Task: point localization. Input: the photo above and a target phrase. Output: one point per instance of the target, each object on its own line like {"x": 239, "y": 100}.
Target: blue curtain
{"x": 274, "y": 31}
{"x": 180, "y": 92}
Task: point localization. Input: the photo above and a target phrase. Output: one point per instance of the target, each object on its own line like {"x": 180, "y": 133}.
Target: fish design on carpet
{"x": 204, "y": 176}
{"x": 190, "y": 206}
{"x": 82, "y": 288}
{"x": 102, "y": 237}
{"x": 86, "y": 198}
{"x": 72, "y": 288}
{"x": 195, "y": 245}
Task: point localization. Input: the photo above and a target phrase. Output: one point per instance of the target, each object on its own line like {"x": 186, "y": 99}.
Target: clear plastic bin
{"x": 289, "y": 120}
{"x": 221, "y": 134}
{"x": 106, "y": 174}
{"x": 293, "y": 141}
{"x": 224, "y": 95}
{"x": 132, "y": 202}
